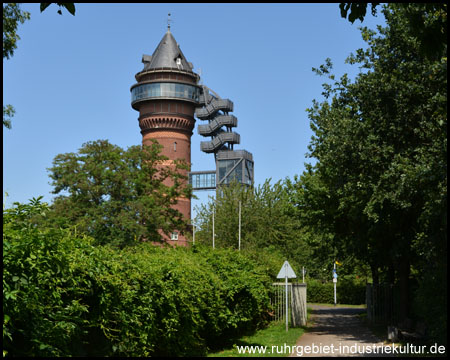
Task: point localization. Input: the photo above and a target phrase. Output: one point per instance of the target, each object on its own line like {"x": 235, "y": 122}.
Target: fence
{"x": 296, "y": 303}
{"x": 382, "y": 303}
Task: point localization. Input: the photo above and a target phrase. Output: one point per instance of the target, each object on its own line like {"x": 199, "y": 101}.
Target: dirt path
{"x": 337, "y": 331}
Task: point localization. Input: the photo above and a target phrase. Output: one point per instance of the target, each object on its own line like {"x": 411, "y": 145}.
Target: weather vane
{"x": 169, "y": 20}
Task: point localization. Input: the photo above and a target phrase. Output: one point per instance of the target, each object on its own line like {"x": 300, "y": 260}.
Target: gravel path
{"x": 337, "y": 331}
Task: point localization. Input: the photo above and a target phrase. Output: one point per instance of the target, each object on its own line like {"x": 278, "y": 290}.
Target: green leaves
{"x": 62, "y": 296}
{"x": 380, "y": 144}
{"x": 118, "y": 196}
{"x": 12, "y": 16}
{"x": 69, "y": 6}
{"x": 8, "y": 113}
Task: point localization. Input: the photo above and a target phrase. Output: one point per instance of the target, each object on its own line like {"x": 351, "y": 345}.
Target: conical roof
{"x": 167, "y": 55}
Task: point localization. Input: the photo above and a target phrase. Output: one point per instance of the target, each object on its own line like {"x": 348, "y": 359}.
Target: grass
{"x": 274, "y": 335}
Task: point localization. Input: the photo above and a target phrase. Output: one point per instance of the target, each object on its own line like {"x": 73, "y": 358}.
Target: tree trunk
{"x": 403, "y": 281}
{"x": 375, "y": 277}
{"x": 391, "y": 274}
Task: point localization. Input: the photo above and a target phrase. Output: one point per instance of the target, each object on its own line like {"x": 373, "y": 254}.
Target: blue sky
{"x": 70, "y": 77}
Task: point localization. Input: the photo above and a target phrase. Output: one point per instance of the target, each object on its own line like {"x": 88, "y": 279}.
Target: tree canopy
{"x": 380, "y": 182}
{"x": 118, "y": 196}
{"x": 427, "y": 22}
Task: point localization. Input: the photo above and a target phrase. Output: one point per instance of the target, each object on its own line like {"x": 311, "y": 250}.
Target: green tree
{"x": 118, "y": 196}
{"x": 381, "y": 148}
{"x": 427, "y": 22}
{"x": 267, "y": 221}
{"x": 12, "y": 16}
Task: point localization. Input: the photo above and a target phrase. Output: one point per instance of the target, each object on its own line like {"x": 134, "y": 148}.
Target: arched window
{"x": 175, "y": 146}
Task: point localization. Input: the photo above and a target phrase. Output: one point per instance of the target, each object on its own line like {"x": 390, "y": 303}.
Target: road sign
{"x": 335, "y": 280}
{"x": 286, "y": 271}
{"x": 334, "y": 275}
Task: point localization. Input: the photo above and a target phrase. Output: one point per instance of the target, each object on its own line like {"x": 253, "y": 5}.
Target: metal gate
{"x": 382, "y": 303}
{"x": 296, "y": 303}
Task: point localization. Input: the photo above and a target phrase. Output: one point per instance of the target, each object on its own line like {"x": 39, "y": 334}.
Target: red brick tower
{"x": 166, "y": 95}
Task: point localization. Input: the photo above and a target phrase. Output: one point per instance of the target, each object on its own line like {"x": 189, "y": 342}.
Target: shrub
{"x": 42, "y": 307}
{"x": 348, "y": 291}
{"x": 62, "y": 296}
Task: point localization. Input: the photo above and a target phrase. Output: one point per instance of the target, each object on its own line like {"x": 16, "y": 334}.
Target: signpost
{"x": 286, "y": 272}
{"x": 334, "y": 282}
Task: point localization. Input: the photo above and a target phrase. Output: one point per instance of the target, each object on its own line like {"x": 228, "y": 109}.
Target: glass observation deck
{"x": 165, "y": 90}
{"x": 202, "y": 180}
{"x": 230, "y": 166}
{"x": 235, "y": 166}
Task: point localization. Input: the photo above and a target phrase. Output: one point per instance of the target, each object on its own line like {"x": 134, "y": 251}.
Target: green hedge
{"x": 348, "y": 291}
{"x": 64, "y": 297}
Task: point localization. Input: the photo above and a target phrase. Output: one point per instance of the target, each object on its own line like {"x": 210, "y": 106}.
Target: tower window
{"x": 175, "y": 146}
{"x": 174, "y": 235}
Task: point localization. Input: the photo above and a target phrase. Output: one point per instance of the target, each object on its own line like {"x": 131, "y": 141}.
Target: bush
{"x": 62, "y": 296}
{"x": 41, "y": 297}
{"x": 348, "y": 291}
{"x": 270, "y": 259}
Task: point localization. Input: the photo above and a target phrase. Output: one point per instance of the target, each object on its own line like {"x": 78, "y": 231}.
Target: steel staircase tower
{"x": 230, "y": 164}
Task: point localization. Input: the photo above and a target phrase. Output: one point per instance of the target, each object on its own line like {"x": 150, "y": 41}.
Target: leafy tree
{"x": 12, "y": 16}
{"x": 426, "y": 21}
{"x": 267, "y": 221}
{"x": 381, "y": 148}
{"x": 118, "y": 196}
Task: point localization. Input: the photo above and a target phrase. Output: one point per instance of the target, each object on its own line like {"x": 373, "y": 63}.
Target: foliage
{"x": 63, "y": 296}
{"x": 274, "y": 335}
{"x": 118, "y": 196}
{"x": 70, "y": 7}
{"x": 267, "y": 221}
{"x": 12, "y": 16}
{"x": 357, "y": 10}
{"x": 349, "y": 291}
{"x": 427, "y": 22}
{"x": 42, "y": 297}
{"x": 379, "y": 186}
{"x": 274, "y": 228}
{"x": 8, "y": 113}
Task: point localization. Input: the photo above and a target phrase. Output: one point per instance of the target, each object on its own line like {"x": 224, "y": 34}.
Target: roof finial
{"x": 169, "y": 20}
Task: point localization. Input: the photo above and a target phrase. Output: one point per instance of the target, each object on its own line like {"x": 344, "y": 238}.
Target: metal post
{"x": 334, "y": 283}
{"x": 193, "y": 233}
{"x": 239, "y": 226}
{"x": 303, "y": 272}
{"x": 286, "y": 299}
